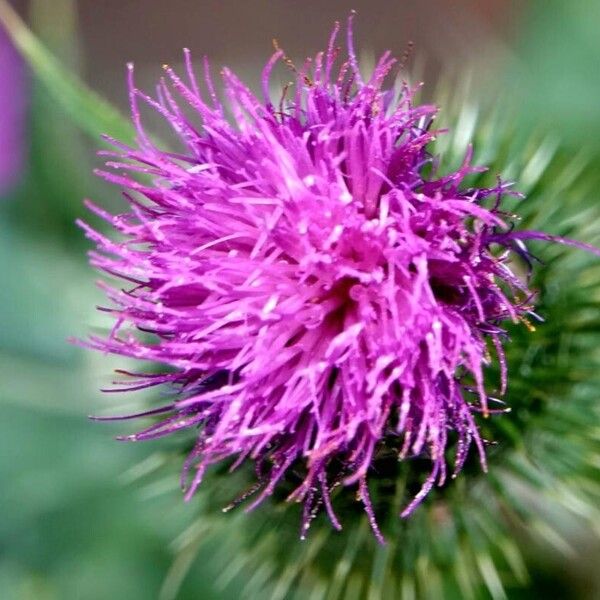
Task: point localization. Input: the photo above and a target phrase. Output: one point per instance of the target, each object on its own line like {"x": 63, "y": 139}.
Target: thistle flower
{"x": 316, "y": 290}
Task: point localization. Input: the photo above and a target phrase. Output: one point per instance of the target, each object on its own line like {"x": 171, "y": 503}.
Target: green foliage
{"x": 92, "y": 114}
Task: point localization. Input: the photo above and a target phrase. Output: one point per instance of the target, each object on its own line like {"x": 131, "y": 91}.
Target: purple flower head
{"x": 314, "y": 287}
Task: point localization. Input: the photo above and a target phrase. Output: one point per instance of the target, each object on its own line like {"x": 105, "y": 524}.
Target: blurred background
{"x": 76, "y": 519}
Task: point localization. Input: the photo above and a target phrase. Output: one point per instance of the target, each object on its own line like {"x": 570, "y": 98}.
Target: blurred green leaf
{"x": 92, "y": 113}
